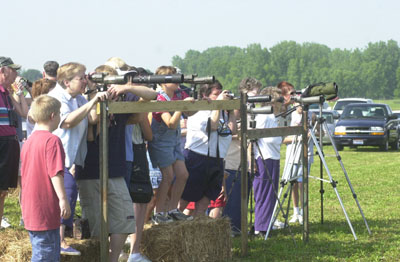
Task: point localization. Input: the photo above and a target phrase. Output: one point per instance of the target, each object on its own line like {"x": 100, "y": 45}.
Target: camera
{"x": 230, "y": 94}
{"x": 131, "y": 77}
{"x": 328, "y": 90}
{"x": 25, "y": 82}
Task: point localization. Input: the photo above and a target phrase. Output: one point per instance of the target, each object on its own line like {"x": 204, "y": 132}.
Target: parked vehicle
{"x": 341, "y": 103}
{"x": 329, "y": 116}
{"x": 325, "y": 105}
{"x": 367, "y": 125}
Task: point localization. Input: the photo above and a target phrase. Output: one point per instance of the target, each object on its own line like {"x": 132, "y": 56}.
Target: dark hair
{"x": 248, "y": 84}
{"x": 51, "y": 67}
{"x": 206, "y": 89}
{"x": 142, "y": 72}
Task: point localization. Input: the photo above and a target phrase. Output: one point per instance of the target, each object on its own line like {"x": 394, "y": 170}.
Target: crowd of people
{"x": 163, "y": 166}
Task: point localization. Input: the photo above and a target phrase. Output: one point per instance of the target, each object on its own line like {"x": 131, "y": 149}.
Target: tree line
{"x": 371, "y": 72}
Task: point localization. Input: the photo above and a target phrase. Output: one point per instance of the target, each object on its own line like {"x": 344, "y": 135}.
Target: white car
{"x": 341, "y": 103}
{"x": 329, "y": 116}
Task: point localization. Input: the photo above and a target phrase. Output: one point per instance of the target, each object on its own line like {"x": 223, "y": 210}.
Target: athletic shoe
{"x": 70, "y": 251}
{"x": 278, "y": 225}
{"x": 5, "y": 223}
{"x": 138, "y": 258}
{"x": 300, "y": 218}
{"x": 177, "y": 215}
{"x": 294, "y": 219}
{"x": 161, "y": 219}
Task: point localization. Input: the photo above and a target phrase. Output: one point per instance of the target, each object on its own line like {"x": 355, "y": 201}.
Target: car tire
{"x": 385, "y": 146}
{"x": 396, "y": 145}
{"x": 339, "y": 147}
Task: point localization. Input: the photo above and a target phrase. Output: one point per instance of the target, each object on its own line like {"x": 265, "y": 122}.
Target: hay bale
{"x": 202, "y": 239}
{"x": 15, "y": 246}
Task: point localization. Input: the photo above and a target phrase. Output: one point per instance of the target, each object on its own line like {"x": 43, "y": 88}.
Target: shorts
{"x": 9, "y": 162}
{"x": 165, "y": 155}
{"x": 120, "y": 207}
{"x": 199, "y": 184}
{"x": 45, "y": 245}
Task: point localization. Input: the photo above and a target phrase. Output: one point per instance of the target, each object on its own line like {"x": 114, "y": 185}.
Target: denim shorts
{"x": 45, "y": 245}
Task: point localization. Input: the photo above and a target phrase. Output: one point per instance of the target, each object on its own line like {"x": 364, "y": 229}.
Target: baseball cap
{"x": 6, "y": 61}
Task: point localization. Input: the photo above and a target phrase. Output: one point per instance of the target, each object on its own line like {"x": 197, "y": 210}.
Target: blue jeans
{"x": 45, "y": 245}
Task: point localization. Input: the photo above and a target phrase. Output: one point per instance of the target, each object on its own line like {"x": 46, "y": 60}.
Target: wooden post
{"x": 104, "y": 245}
{"x": 243, "y": 153}
{"x": 305, "y": 174}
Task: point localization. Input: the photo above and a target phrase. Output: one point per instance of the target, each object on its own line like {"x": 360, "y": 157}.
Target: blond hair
{"x": 166, "y": 70}
{"x": 43, "y": 107}
{"x": 68, "y": 71}
{"x": 117, "y": 63}
{"x": 106, "y": 69}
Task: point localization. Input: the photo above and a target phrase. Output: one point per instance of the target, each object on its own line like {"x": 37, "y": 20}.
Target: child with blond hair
{"x": 44, "y": 200}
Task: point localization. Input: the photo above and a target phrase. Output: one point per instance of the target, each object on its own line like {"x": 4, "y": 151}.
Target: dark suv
{"x": 367, "y": 125}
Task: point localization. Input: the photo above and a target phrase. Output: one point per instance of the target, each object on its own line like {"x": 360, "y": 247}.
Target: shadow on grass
{"x": 331, "y": 241}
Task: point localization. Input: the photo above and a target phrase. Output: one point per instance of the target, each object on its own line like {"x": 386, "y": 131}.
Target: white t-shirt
{"x": 270, "y": 146}
{"x": 197, "y": 136}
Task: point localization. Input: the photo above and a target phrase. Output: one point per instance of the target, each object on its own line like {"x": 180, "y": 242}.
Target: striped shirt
{"x": 5, "y": 105}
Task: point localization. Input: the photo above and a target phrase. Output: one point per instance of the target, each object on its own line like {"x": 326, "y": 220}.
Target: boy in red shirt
{"x": 43, "y": 199}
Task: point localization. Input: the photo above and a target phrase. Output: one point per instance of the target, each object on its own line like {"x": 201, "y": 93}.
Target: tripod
{"x": 323, "y": 123}
{"x": 290, "y": 178}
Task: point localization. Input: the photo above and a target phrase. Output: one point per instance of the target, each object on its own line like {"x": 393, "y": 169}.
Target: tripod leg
{"x": 333, "y": 183}
{"x": 348, "y": 179}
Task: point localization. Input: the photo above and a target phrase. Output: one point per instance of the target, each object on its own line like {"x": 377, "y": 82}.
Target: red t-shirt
{"x": 178, "y": 95}
{"x": 42, "y": 157}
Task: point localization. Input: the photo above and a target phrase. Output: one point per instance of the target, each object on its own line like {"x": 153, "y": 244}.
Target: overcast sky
{"x": 149, "y": 33}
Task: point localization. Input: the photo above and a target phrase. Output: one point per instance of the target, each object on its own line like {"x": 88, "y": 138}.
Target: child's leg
{"x": 140, "y": 212}
{"x": 167, "y": 175}
{"x": 182, "y": 175}
{"x": 201, "y": 206}
{"x": 151, "y": 205}
{"x": 45, "y": 245}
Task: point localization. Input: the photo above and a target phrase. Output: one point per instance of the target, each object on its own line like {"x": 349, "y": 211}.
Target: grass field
{"x": 375, "y": 177}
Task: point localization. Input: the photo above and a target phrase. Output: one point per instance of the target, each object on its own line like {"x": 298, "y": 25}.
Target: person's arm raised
{"x": 76, "y": 116}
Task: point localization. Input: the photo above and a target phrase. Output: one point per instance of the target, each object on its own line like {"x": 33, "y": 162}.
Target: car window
{"x": 328, "y": 117}
{"x": 341, "y": 104}
{"x": 365, "y": 112}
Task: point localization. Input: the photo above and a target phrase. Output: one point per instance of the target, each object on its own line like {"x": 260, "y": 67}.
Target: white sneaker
{"x": 4, "y": 222}
{"x": 294, "y": 219}
{"x": 300, "y": 218}
{"x": 278, "y": 225}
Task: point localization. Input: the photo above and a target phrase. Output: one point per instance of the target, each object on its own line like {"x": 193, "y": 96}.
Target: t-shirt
{"x": 116, "y": 149}
{"x": 178, "y": 95}
{"x": 42, "y": 157}
{"x": 5, "y": 106}
{"x": 197, "y": 135}
{"x": 270, "y": 146}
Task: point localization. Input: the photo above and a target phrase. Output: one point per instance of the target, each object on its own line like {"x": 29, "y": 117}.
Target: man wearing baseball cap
{"x": 9, "y": 146}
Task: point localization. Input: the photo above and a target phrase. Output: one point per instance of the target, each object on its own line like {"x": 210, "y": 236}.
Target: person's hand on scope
{"x": 101, "y": 96}
{"x": 225, "y": 95}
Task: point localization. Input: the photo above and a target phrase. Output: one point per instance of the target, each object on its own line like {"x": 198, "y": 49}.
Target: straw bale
{"x": 202, "y": 239}
{"x": 15, "y": 246}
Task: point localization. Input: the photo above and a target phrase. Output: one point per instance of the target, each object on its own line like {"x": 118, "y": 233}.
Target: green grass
{"x": 375, "y": 177}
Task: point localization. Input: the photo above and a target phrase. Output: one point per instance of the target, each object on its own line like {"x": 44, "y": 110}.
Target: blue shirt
{"x": 73, "y": 139}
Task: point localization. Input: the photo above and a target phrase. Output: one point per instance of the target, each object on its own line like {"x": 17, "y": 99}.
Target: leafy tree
{"x": 31, "y": 74}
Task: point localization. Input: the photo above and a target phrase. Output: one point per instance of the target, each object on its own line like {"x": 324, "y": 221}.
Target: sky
{"x": 149, "y": 33}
